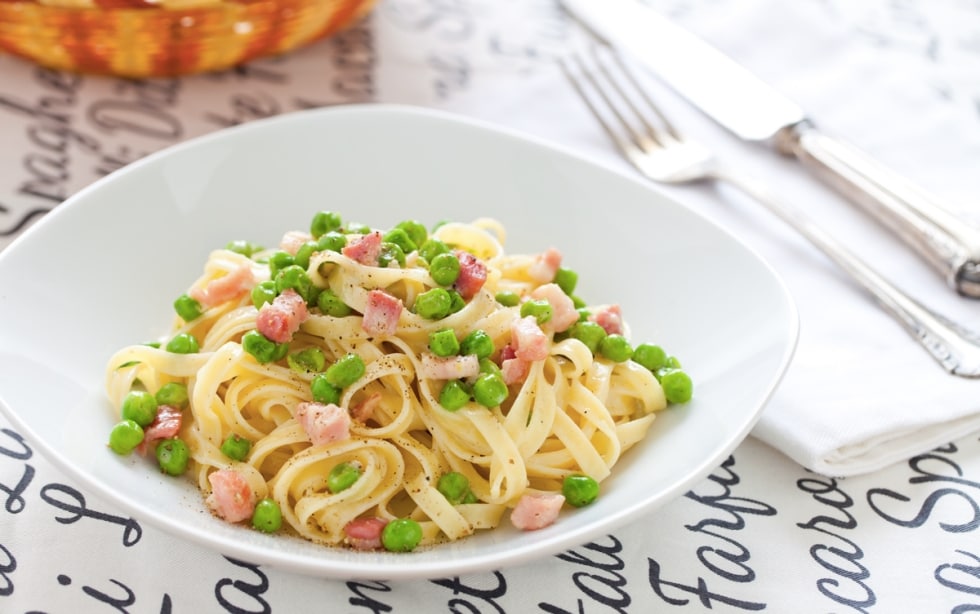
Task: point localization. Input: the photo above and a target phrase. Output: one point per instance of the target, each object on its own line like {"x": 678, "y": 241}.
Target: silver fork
{"x": 654, "y": 146}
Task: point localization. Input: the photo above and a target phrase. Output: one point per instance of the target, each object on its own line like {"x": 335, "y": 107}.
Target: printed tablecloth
{"x": 761, "y": 532}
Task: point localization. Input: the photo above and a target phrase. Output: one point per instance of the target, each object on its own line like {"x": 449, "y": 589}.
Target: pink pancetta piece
{"x": 537, "y": 511}
{"x": 514, "y": 370}
{"x": 563, "y": 312}
{"x": 529, "y": 341}
{"x": 545, "y": 266}
{"x": 293, "y": 240}
{"x": 364, "y": 411}
{"x": 166, "y": 425}
{"x": 281, "y": 318}
{"x": 323, "y": 422}
{"x": 365, "y": 533}
{"x": 365, "y": 249}
{"x": 381, "y": 313}
{"x": 449, "y": 367}
{"x": 472, "y": 274}
{"x": 222, "y": 289}
{"x": 231, "y": 497}
{"x": 610, "y": 319}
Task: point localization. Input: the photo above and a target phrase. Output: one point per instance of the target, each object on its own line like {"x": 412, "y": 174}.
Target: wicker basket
{"x": 150, "y": 38}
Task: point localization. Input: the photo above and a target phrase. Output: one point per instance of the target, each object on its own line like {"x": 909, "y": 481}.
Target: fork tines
{"x": 614, "y": 95}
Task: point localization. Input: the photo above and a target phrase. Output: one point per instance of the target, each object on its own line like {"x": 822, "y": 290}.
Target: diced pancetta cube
{"x": 536, "y": 511}
{"x": 514, "y": 370}
{"x": 545, "y": 266}
{"x": 281, "y": 318}
{"x": 449, "y": 367}
{"x": 323, "y": 422}
{"x": 365, "y": 533}
{"x": 381, "y": 313}
{"x": 222, "y": 289}
{"x": 472, "y": 274}
{"x": 165, "y": 425}
{"x": 563, "y": 312}
{"x": 231, "y": 496}
{"x": 293, "y": 240}
{"x": 364, "y": 410}
{"x": 365, "y": 249}
{"x": 610, "y": 319}
{"x": 529, "y": 341}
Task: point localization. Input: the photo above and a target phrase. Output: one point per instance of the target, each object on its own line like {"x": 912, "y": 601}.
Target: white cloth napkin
{"x": 860, "y": 394}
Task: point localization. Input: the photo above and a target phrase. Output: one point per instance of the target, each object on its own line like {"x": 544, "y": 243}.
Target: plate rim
{"x": 337, "y": 569}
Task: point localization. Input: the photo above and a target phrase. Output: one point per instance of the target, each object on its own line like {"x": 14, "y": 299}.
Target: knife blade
{"x": 754, "y": 111}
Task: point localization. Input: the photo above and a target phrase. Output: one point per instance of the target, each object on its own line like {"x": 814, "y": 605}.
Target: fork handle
{"x": 953, "y": 346}
{"x": 949, "y": 244}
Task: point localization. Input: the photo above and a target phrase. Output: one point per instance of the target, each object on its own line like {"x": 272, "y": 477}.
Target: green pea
{"x": 456, "y": 301}
{"x": 508, "y": 298}
{"x": 649, "y": 356}
{"x": 566, "y": 279}
{"x": 356, "y": 228}
{"x": 477, "y": 342}
{"x": 173, "y": 456}
{"x": 343, "y": 476}
{"x": 140, "y": 407}
{"x": 347, "y": 370}
{"x": 401, "y": 535}
{"x": 236, "y": 447}
{"x": 323, "y": 391}
{"x": 489, "y": 366}
{"x": 331, "y": 304}
{"x": 264, "y": 292}
{"x": 308, "y": 360}
{"x": 444, "y": 269}
{"x": 267, "y": 517}
{"x": 244, "y": 248}
{"x": 183, "y": 343}
{"x": 305, "y": 252}
{"x": 433, "y": 304}
{"x": 125, "y": 436}
{"x": 672, "y": 362}
{"x": 589, "y": 333}
{"x": 278, "y": 261}
{"x": 399, "y": 237}
{"x": 454, "y": 395}
{"x": 173, "y": 394}
{"x": 454, "y": 486}
{"x": 415, "y": 230}
{"x": 579, "y": 490}
{"x": 187, "y": 308}
{"x": 432, "y": 248}
{"x": 490, "y": 390}
{"x": 264, "y": 350}
{"x": 280, "y": 351}
{"x": 677, "y": 385}
{"x": 616, "y": 348}
{"x": 578, "y": 302}
{"x": 540, "y": 309}
{"x": 332, "y": 241}
{"x": 323, "y": 222}
{"x": 294, "y": 277}
{"x": 391, "y": 252}
{"x": 443, "y": 342}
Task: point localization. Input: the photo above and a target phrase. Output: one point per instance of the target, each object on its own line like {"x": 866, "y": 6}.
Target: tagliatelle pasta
{"x": 329, "y": 363}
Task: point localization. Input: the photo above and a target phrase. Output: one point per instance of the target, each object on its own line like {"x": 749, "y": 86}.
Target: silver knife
{"x": 754, "y": 111}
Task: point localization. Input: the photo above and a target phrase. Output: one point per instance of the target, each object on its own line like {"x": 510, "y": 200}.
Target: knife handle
{"x": 949, "y": 244}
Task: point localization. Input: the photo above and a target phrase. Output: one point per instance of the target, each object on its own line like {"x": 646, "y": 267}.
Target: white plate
{"x": 101, "y": 271}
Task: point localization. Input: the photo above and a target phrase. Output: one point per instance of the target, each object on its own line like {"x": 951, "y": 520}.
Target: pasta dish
{"x": 389, "y": 389}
